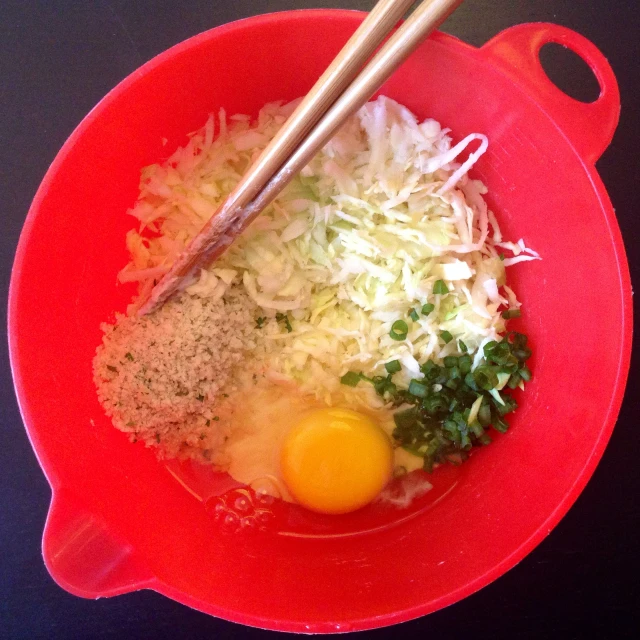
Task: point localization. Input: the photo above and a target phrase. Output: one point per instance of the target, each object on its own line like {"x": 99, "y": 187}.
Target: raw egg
{"x": 336, "y": 460}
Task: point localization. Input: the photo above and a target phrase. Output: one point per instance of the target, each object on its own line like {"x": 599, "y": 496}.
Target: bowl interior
{"x": 495, "y": 509}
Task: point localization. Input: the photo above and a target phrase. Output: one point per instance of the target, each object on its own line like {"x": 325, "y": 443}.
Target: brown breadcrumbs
{"x": 161, "y": 377}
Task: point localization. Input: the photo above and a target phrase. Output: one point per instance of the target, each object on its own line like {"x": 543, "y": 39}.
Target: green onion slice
{"x": 351, "y": 379}
{"x": 399, "y": 330}
{"x": 393, "y": 366}
{"x": 418, "y": 389}
{"x": 440, "y": 288}
{"x": 446, "y": 336}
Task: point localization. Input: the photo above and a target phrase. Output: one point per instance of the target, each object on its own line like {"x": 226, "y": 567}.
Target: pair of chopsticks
{"x": 343, "y": 88}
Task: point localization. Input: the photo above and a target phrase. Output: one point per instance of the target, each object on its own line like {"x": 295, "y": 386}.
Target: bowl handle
{"x": 84, "y": 557}
{"x": 588, "y": 126}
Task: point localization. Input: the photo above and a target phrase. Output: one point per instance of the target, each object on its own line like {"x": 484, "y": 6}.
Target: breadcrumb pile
{"x": 163, "y": 378}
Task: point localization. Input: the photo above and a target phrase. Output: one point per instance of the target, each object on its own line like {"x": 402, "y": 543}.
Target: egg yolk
{"x": 336, "y": 460}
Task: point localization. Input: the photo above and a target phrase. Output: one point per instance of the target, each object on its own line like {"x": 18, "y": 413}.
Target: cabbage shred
{"x": 355, "y": 243}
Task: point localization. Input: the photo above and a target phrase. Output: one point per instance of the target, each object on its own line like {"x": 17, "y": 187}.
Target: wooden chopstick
{"x": 426, "y": 17}
{"x": 221, "y": 229}
{"x": 331, "y": 100}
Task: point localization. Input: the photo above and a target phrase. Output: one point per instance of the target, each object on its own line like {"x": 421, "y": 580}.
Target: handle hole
{"x": 569, "y": 72}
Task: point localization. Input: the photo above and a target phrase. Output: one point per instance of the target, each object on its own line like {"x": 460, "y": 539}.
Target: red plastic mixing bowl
{"x": 119, "y": 522}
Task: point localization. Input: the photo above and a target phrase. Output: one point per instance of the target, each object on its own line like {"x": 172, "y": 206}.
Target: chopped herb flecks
{"x": 283, "y": 317}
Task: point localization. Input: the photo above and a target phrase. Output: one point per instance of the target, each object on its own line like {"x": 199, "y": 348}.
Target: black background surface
{"x": 57, "y": 59}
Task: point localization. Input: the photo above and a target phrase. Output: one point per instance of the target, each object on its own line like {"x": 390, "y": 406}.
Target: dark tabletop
{"x": 57, "y": 59}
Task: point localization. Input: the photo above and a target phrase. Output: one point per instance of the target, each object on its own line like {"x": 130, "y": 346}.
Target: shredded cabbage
{"x": 355, "y": 242}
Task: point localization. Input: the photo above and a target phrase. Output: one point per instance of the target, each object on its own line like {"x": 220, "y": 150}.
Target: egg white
{"x": 260, "y": 423}
{"x": 262, "y": 417}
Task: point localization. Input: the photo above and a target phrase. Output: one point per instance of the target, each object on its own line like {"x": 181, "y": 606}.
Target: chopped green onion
{"x": 511, "y": 313}
{"x": 418, "y": 389}
{"x": 464, "y": 362}
{"x": 510, "y": 363}
{"x": 500, "y": 404}
{"x": 525, "y": 373}
{"x": 519, "y": 340}
{"x": 405, "y": 419}
{"x": 503, "y": 378}
{"x": 522, "y": 354}
{"x": 470, "y": 381}
{"x": 440, "y": 288}
{"x": 383, "y": 385}
{"x": 427, "y": 308}
{"x": 499, "y": 425}
{"x": 413, "y": 314}
{"x": 435, "y": 403}
{"x": 484, "y": 439}
{"x": 429, "y": 368}
{"x": 514, "y": 380}
{"x": 486, "y": 377}
{"x": 463, "y": 346}
{"x": 484, "y": 415}
{"x": 351, "y": 379}
{"x": 452, "y": 407}
{"x": 454, "y": 372}
{"x": 446, "y": 336}
{"x": 501, "y": 256}
{"x": 489, "y": 348}
{"x": 499, "y": 353}
{"x": 399, "y": 330}
{"x": 260, "y": 323}
{"x": 393, "y": 367}
{"x": 452, "y": 429}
